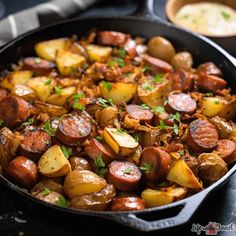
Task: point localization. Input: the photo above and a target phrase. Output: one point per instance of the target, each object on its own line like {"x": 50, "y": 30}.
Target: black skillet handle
{"x": 137, "y": 221}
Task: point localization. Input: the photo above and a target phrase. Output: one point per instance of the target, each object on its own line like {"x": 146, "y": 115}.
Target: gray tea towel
{"x": 42, "y": 14}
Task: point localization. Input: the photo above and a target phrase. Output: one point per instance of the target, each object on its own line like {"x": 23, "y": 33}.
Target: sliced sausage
{"x": 227, "y": 150}
{"x": 73, "y": 128}
{"x": 112, "y": 38}
{"x": 157, "y": 65}
{"x": 182, "y": 103}
{"x": 34, "y": 143}
{"x": 124, "y": 175}
{"x": 158, "y": 161}
{"x": 127, "y": 204}
{"x": 202, "y": 136}
{"x": 23, "y": 171}
{"x": 138, "y": 113}
{"x": 38, "y": 66}
{"x": 210, "y": 82}
{"x": 14, "y": 111}
{"x": 94, "y": 148}
{"x": 174, "y": 147}
{"x": 181, "y": 80}
{"x": 3, "y": 93}
{"x": 79, "y": 163}
{"x": 209, "y": 68}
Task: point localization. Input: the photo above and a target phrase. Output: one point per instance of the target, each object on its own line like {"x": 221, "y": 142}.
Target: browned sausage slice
{"x": 23, "y": 171}
{"x": 138, "y": 113}
{"x": 112, "y": 38}
{"x": 127, "y": 204}
{"x": 210, "y": 69}
{"x": 157, "y": 65}
{"x": 94, "y": 148}
{"x": 14, "y": 111}
{"x": 3, "y": 93}
{"x": 156, "y": 163}
{"x": 202, "y": 136}
{"x": 34, "y": 143}
{"x": 210, "y": 82}
{"x": 124, "y": 175}
{"x": 38, "y": 66}
{"x": 227, "y": 150}
{"x": 182, "y": 103}
{"x": 72, "y": 129}
{"x": 174, "y": 147}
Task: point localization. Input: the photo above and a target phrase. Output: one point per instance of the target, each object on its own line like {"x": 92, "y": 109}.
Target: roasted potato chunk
{"x": 98, "y": 53}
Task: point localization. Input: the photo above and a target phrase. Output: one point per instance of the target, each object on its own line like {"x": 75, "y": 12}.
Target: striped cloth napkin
{"x": 42, "y": 14}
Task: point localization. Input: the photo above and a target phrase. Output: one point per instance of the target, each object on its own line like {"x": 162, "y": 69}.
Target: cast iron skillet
{"x": 144, "y": 24}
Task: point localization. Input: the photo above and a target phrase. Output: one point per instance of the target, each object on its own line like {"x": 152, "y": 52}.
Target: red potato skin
{"x": 138, "y": 113}
{"x": 14, "y": 111}
{"x": 73, "y": 129}
{"x": 94, "y": 148}
{"x": 127, "y": 204}
{"x": 202, "y": 136}
{"x": 23, "y": 171}
{"x": 3, "y": 93}
{"x": 112, "y": 38}
{"x": 227, "y": 150}
{"x": 122, "y": 181}
{"x": 156, "y": 65}
{"x": 34, "y": 143}
{"x": 40, "y": 68}
{"x": 182, "y": 103}
{"x": 160, "y": 161}
{"x": 210, "y": 82}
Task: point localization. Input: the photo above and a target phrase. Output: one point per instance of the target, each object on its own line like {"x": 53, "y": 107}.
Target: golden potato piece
{"x": 154, "y": 198}
{"x": 53, "y": 163}
{"x": 24, "y": 92}
{"x": 98, "y": 53}
{"x": 67, "y": 62}
{"x": 118, "y": 92}
{"x": 79, "y": 182}
{"x": 181, "y": 174}
{"x": 228, "y": 111}
{"x": 120, "y": 141}
{"x": 47, "y": 49}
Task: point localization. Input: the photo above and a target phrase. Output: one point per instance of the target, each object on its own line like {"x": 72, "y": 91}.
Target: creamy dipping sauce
{"x": 208, "y": 18}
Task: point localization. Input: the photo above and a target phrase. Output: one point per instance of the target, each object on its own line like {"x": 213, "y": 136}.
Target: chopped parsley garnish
{"x": 67, "y": 151}
{"x": 121, "y": 52}
{"x": 48, "y": 82}
{"x": 181, "y": 153}
{"x": 127, "y": 170}
{"x": 175, "y": 117}
{"x": 111, "y": 63}
{"x": 144, "y": 106}
{"x": 37, "y": 60}
{"x": 120, "y": 131}
{"x": 105, "y": 103}
{"x": 100, "y": 166}
{"x": 162, "y": 125}
{"x": 1, "y": 122}
{"x": 158, "y": 109}
{"x": 107, "y": 85}
{"x": 217, "y": 101}
{"x": 136, "y": 136}
{"x": 128, "y": 74}
{"x": 62, "y": 202}
{"x": 46, "y": 191}
{"x": 74, "y": 70}
{"x": 209, "y": 94}
{"x": 225, "y": 15}
{"x": 146, "y": 167}
{"x": 176, "y": 129}
{"x": 147, "y": 87}
{"x": 145, "y": 69}
{"x": 30, "y": 121}
{"x": 158, "y": 78}
{"x": 48, "y": 128}
{"x": 58, "y": 90}
{"x": 77, "y": 96}
{"x": 99, "y": 138}
{"x": 120, "y": 61}
{"x": 78, "y": 106}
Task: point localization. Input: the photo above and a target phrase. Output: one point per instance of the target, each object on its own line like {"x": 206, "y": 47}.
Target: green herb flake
{"x": 48, "y": 128}
{"x": 58, "y": 90}
{"x": 127, "y": 170}
{"x": 136, "y": 136}
{"x": 144, "y": 106}
{"x": 120, "y": 131}
{"x": 111, "y": 63}
{"x": 225, "y": 15}
{"x": 100, "y": 166}
{"x": 67, "y": 151}
{"x": 46, "y": 191}
{"x": 163, "y": 184}
{"x": 158, "y": 109}
{"x": 30, "y": 121}
{"x": 146, "y": 167}
{"x": 147, "y": 87}
{"x": 175, "y": 117}
{"x": 74, "y": 70}
{"x": 48, "y": 82}
{"x": 176, "y": 129}
{"x": 209, "y": 94}
{"x": 99, "y": 138}
{"x": 158, "y": 78}
{"x": 78, "y": 96}
{"x": 217, "y": 101}
{"x": 78, "y": 106}
{"x": 121, "y": 52}
{"x": 162, "y": 125}
{"x": 37, "y": 60}
{"x": 145, "y": 69}
{"x": 62, "y": 202}
{"x": 127, "y": 74}
{"x": 181, "y": 153}
{"x": 104, "y": 102}
{"x": 1, "y": 122}
{"x": 120, "y": 61}
{"x": 107, "y": 85}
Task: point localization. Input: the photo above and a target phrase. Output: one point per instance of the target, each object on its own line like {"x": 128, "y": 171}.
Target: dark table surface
{"x": 17, "y": 219}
